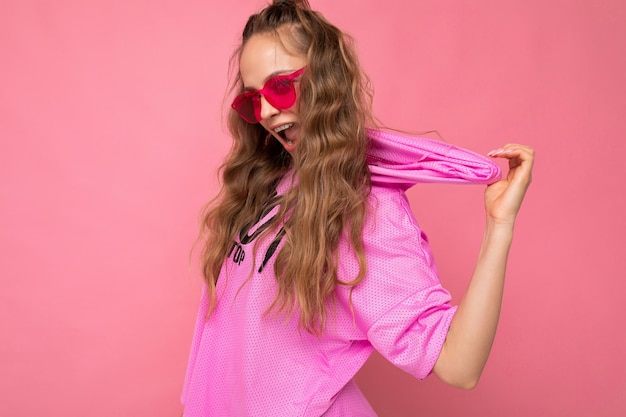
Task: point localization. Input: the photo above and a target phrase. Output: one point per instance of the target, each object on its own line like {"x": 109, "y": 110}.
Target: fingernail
{"x": 495, "y": 152}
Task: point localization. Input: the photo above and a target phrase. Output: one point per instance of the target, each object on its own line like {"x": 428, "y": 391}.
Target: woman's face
{"x": 264, "y": 56}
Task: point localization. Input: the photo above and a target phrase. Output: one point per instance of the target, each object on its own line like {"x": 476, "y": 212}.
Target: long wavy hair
{"x": 329, "y": 201}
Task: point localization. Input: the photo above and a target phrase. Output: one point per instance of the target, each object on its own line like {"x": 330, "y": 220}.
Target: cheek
{"x": 293, "y": 109}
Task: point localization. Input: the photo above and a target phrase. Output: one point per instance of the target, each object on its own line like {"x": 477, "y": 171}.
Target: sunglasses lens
{"x": 244, "y": 105}
{"x": 280, "y": 93}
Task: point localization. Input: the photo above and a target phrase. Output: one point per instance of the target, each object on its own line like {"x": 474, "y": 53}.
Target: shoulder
{"x": 389, "y": 214}
{"x": 395, "y": 245}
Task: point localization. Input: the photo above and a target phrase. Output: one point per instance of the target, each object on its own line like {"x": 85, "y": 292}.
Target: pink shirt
{"x": 245, "y": 363}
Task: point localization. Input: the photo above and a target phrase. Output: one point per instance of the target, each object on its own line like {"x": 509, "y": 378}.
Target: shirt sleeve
{"x": 401, "y": 304}
{"x": 411, "y": 334}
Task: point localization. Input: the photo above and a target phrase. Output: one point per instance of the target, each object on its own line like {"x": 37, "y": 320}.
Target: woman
{"x": 311, "y": 260}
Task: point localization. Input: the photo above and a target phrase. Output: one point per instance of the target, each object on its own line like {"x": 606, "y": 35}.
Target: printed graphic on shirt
{"x": 252, "y": 230}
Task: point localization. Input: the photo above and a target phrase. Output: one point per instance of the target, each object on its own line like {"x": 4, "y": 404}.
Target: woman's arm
{"x": 473, "y": 327}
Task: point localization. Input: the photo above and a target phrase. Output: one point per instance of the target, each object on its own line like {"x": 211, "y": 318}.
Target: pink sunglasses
{"x": 279, "y": 91}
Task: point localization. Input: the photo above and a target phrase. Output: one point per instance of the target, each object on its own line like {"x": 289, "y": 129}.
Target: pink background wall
{"x": 111, "y": 132}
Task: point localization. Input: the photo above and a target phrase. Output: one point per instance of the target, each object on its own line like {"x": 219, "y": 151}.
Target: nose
{"x": 267, "y": 110}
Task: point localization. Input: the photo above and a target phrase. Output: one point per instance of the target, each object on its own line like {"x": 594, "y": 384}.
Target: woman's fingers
{"x": 519, "y": 156}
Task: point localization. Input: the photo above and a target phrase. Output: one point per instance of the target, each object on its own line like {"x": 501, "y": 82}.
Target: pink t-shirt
{"x": 246, "y": 363}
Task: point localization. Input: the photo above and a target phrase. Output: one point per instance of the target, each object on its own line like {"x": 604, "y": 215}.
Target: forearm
{"x": 473, "y": 327}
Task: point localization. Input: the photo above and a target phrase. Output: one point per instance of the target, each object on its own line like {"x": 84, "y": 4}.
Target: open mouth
{"x": 282, "y": 132}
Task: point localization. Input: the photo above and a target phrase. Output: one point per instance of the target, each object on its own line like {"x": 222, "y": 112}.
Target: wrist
{"x": 500, "y": 223}
{"x": 499, "y": 230}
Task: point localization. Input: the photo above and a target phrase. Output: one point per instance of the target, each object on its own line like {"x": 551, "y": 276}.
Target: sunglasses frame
{"x": 249, "y": 101}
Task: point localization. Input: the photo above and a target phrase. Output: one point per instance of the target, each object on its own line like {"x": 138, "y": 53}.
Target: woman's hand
{"x": 504, "y": 198}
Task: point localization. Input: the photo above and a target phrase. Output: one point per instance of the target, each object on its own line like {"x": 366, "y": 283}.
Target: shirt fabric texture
{"x": 244, "y": 362}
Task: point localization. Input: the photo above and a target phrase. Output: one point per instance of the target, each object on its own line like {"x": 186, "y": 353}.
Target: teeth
{"x": 283, "y": 127}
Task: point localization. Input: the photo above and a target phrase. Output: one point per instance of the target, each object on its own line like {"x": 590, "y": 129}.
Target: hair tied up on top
{"x": 302, "y": 4}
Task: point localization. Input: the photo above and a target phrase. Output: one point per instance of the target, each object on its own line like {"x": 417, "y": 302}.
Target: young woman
{"x": 312, "y": 257}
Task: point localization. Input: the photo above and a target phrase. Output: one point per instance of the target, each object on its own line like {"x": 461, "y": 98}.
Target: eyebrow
{"x": 275, "y": 73}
